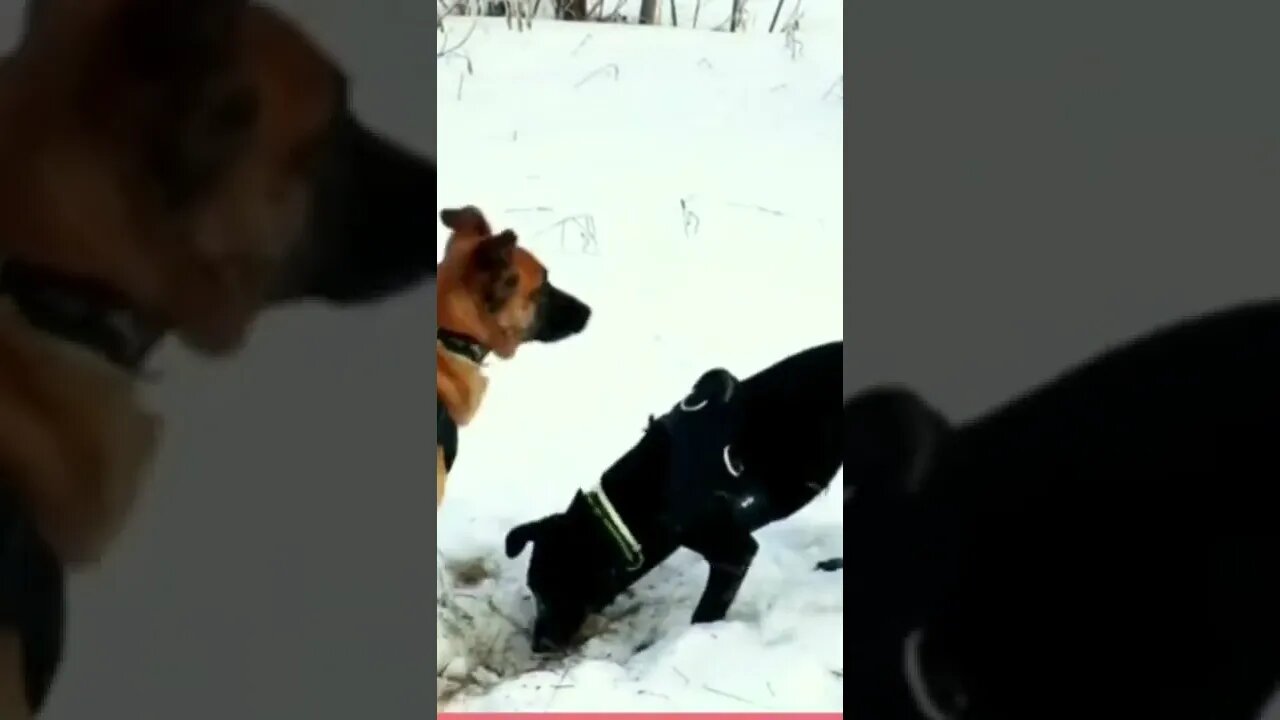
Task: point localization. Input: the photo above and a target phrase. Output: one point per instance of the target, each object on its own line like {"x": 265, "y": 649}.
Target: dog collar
{"x": 79, "y": 311}
{"x": 462, "y": 344}
{"x": 617, "y": 529}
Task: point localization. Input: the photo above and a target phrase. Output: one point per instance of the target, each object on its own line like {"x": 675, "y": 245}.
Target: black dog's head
{"x": 568, "y": 574}
{"x": 577, "y": 567}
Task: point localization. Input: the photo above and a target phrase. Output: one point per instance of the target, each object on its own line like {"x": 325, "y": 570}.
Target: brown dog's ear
{"x": 495, "y": 254}
{"x": 467, "y": 221}
{"x": 174, "y": 86}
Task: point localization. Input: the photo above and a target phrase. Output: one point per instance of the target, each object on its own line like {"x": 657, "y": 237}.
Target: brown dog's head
{"x": 498, "y": 292}
{"x": 199, "y": 159}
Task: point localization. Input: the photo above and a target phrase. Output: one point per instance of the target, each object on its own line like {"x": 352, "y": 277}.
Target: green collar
{"x": 617, "y": 529}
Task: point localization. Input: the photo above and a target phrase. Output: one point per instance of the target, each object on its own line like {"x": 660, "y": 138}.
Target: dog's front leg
{"x": 729, "y": 552}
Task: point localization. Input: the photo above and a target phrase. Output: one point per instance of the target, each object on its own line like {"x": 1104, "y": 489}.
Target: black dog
{"x": 1106, "y": 546}
{"x": 730, "y": 458}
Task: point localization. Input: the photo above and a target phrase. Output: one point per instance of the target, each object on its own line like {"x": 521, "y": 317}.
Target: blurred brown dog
{"x": 491, "y": 296}
{"x": 166, "y": 166}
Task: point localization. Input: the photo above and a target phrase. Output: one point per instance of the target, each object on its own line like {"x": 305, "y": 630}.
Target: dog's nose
{"x": 581, "y": 315}
{"x": 564, "y": 316}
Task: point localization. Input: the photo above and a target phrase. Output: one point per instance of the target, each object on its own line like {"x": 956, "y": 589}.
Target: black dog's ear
{"x": 522, "y": 535}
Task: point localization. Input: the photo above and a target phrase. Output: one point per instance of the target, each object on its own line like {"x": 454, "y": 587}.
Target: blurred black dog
{"x": 730, "y": 458}
{"x": 1106, "y": 546}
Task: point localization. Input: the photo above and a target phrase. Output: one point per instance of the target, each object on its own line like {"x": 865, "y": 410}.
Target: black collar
{"x": 462, "y": 344}
{"x": 81, "y": 312}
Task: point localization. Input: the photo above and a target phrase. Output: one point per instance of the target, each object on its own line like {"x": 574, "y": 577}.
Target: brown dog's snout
{"x": 372, "y": 230}
{"x": 561, "y": 316}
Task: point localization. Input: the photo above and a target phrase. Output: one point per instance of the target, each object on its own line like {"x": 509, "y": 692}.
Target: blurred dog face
{"x": 497, "y": 290}
{"x": 199, "y": 158}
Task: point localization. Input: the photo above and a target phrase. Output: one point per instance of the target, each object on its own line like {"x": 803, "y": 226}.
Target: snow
{"x": 688, "y": 185}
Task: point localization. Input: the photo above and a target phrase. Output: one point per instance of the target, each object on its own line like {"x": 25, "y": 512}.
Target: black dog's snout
{"x": 548, "y": 638}
{"x": 544, "y": 645}
{"x": 552, "y": 632}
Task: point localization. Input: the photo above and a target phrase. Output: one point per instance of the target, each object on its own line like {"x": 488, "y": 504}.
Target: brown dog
{"x": 491, "y": 296}
{"x": 165, "y": 166}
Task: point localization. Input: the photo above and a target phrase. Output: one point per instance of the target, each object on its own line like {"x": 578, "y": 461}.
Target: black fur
{"x": 672, "y": 489}
{"x": 1105, "y": 546}
{"x": 890, "y": 433}
{"x": 32, "y": 598}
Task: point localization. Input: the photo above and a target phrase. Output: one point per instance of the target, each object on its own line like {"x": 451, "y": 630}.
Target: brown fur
{"x": 80, "y": 192}
{"x": 74, "y": 441}
{"x": 160, "y": 148}
{"x": 486, "y": 287}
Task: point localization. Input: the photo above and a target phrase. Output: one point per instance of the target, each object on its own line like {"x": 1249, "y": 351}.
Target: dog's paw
{"x": 702, "y": 617}
{"x": 830, "y": 565}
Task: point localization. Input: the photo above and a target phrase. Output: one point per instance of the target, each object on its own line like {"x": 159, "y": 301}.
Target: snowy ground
{"x": 688, "y": 185}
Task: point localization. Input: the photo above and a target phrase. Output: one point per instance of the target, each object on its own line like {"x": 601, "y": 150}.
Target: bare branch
{"x": 449, "y": 50}
{"x": 599, "y": 71}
